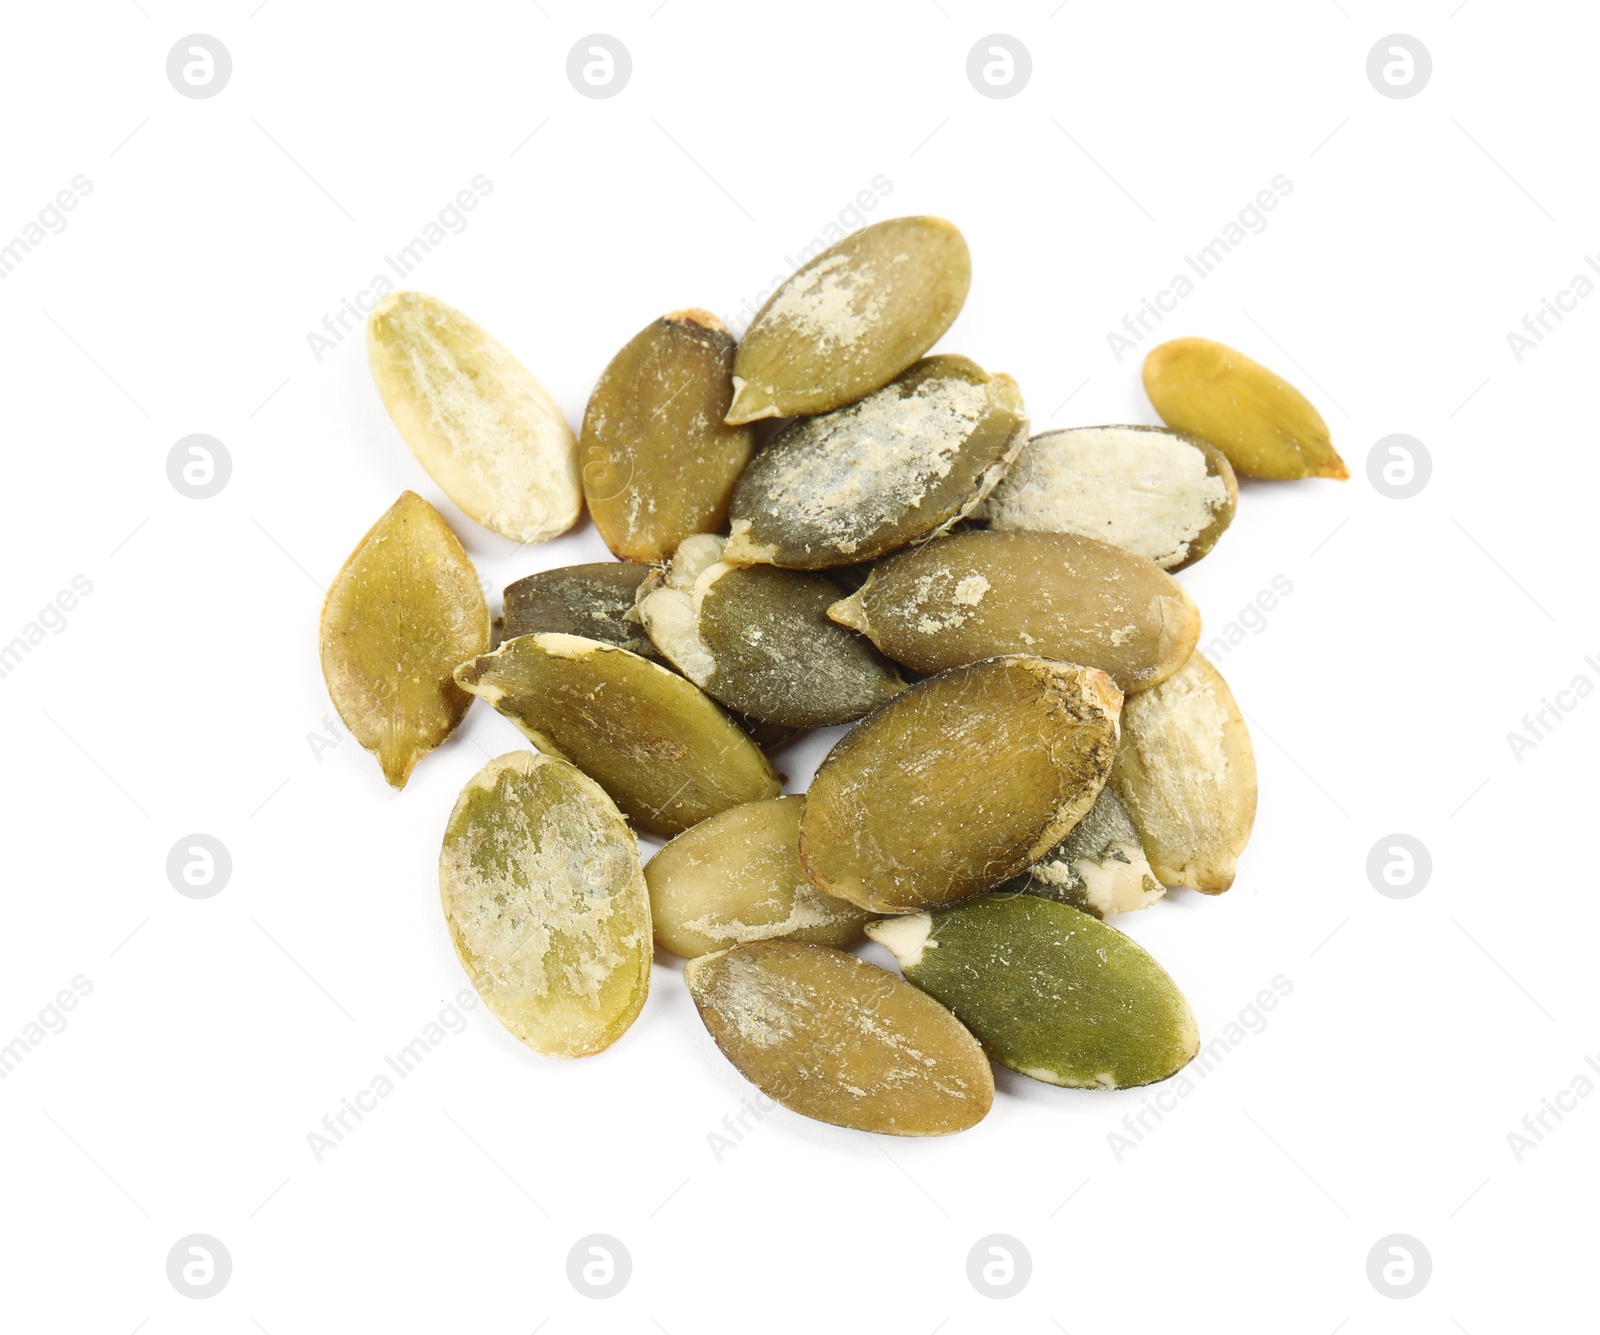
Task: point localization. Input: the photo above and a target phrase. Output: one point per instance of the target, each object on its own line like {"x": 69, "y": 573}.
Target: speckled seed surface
{"x": 1100, "y": 867}
{"x": 595, "y": 601}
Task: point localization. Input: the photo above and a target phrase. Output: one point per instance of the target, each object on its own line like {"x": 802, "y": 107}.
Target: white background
{"x": 183, "y": 692}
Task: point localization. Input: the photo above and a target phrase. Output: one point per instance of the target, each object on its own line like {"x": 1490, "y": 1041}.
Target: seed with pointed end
{"x": 595, "y": 601}
{"x": 1159, "y": 494}
{"x": 965, "y": 779}
{"x": 1049, "y": 991}
{"x": 971, "y": 595}
{"x": 1099, "y": 867}
{"x": 664, "y": 750}
{"x": 851, "y": 319}
{"x": 404, "y": 610}
{"x": 1265, "y": 426}
{"x": 481, "y": 425}
{"x": 900, "y": 466}
{"x": 546, "y": 904}
{"x": 1187, "y": 774}
{"x": 659, "y": 463}
{"x": 737, "y": 878}
{"x": 759, "y": 639}
{"x": 832, "y": 1037}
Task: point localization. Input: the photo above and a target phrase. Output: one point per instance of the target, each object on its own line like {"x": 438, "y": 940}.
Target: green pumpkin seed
{"x": 546, "y": 904}
{"x": 594, "y": 601}
{"x": 658, "y": 462}
{"x": 404, "y": 610}
{"x": 900, "y": 466}
{"x": 1049, "y": 991}
{"x": 1099, "y": 867}
{"x": 971, "y": 595}
{"x": 958, "y": 783}
{"x": 483, "y": 427}
{"x": 1159, "y": 494}
{"x": 737, "y": 878}
{"x": 832, "y": 1037}
{"x": 665, "y": 752}
{"x": 759, "y": 639}
{"x": 851, "y": 319}
{"x": 1265, "y": 426}
{"x": 1187, "y": 774}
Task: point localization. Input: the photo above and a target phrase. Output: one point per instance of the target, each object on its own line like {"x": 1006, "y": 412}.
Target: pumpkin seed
{"x": 1265, "y": 426}
{"x": 1159, "y": 494}
{"x": 665, "y": 752}
{"x": 595, "y": 601}
{"x": 546, "y": 904}
{"x": 1100, "y": 867}
{"x": 1049, "y": 991}
{"x": 737, "y": 878}
{"x": 958, "y": 783}
{"x": 403, "y": 611}
{"x": 971, "y": 595}
{"x": 1187, "y": 774}
{"x": 832, "y": 1037}
{"x": 759, "y": 639}
{"x": 851, "y": 319}
{"x": 901, "y": 465}
{"x": 483, "y": 427}
{"x": 659, "y": 463}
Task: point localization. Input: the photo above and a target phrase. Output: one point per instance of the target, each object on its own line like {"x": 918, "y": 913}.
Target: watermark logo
{"x": 199, "y": 467}
{"x": 1399, "y": 66}
{"x": 999, "y": 65}
{"x": 1399, "y": 866}
{"x": 199, "y": 66}
{"x": 599, "y": 1266}
{"x": 1399, "y": 467}
{"x": 199, "y": 866}
{"x": 999, "y": 1266}
{"x": 599, "y": 65}
{"x": 1399, "y": 1266}
{"x": 199, "y": 1266}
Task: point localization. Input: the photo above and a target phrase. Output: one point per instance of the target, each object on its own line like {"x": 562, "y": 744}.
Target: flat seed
{"x": 1049, "y": 991}
{"x": 851, "y": 319}
{"x": 900, "y": 466}
{"x": 1159, "y": 494}
{"x": 759, "y": 640}
{"x": 1100, "y": 867}
{"x": 832, "y": 1037}
{"x": 737, "y": 878}
{"x": 972, "y": 595}
{"x": 1187, "y": 774}
{"x": 595, "y": 601}
{"x": 404, "y": 610}
{"x": 960, "y": 782}
{"x": 482, "y": 426}
{"x": 665, "y": 751}
{"x": 658, "y": 461}
{"x": 1265, "y": 426}
{"x": 546, "y": 904}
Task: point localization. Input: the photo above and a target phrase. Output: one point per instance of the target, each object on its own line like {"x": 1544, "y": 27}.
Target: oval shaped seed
{"x": 1187, "y": 774}
{"x": 832, "y": 1037}
{"x": 902, "y": 465}
{"x": 665, "y": 752}
{"x": 1049, "y": 991}
{"x": 759, "y": 640}
{"x": 404, "y": 610}
{"x": 1159, "y": 494}
{"x": 851, "y": 319}
{"x": 1100, "y": 867}
{"x": 483, "y": 427}
{"x": 965, "y": 779}
{"x": 659, "y": 463}
{"x": 737, "y": 878}
{"x": 546, "y": 904}
{"x": 972, "y": 595}
{"x": 594, "y": 601}
{"x": 1265, "y": 426}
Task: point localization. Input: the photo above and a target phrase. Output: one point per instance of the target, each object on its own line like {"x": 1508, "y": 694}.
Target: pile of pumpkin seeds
{"x": 1037, "y": 744}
